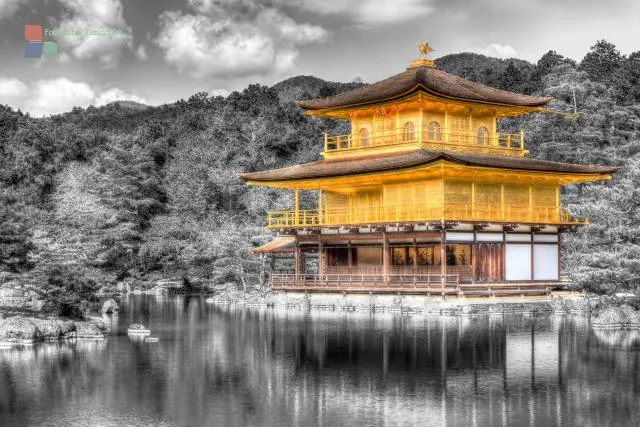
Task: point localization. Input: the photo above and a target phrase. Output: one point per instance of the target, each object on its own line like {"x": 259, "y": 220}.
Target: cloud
{"x": 57, "y": 96}
{"x": 116, "y": 94}
{"x": 370, "y": 12}
{"x": 54, "y": 96}
{"x": 227, "y": 39}
{"x": 8, "y": 8}
{"x": 219, "y": 92}
{"x": 11, "y": 88}
{"x": 498, "y": 51}
{"x": 141, "y": 53}
{"x": 95, "y": 15}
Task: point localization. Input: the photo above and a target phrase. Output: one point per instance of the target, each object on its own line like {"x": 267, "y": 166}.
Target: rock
{"x": 68, "y": 329}
{"x": 2, "y": 316}
{"x": 50, "y": 329}
{"x": 625, "y": 295}
{"x": 110, "y": 306}
{"x": 88, "y": 330}
{"x": 99, "y": 322}
{"x": 617, "y": 317}
{"x": 19, "y": 329}
{"x": 137, "y": 328}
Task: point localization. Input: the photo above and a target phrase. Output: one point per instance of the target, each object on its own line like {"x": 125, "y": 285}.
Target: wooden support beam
{"x": 443, "y": 257}
{"x": 385, "y": 258}
{"x": 296, "y": 260}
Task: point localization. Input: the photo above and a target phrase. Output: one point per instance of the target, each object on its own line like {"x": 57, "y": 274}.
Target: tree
{"x": 626, "y": 80}
{"x": 602, "y": 61}
{"x": 15, "y": 237}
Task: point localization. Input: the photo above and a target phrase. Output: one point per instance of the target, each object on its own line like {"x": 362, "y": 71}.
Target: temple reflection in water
{"x": 231, "y": 366}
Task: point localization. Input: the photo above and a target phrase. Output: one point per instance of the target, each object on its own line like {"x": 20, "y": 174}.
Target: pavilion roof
{"x": 403, "y": 160}
{"x": 428, "y": 79}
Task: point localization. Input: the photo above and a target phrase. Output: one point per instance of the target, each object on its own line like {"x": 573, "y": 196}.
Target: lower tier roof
{"x": 397, "y": 161}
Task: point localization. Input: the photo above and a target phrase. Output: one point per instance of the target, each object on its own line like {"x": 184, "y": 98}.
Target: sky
{"x": 168, "y": 50}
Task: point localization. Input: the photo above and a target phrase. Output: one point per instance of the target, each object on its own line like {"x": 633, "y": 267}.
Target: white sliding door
{"x": 518, "y": 261}
{"x": 545, "y": 262}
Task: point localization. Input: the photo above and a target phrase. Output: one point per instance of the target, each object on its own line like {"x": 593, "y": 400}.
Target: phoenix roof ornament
{"x": 425, "y": 48}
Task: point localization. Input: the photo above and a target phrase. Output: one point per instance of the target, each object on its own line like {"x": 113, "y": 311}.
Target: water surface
{"x": 233, "y": 367}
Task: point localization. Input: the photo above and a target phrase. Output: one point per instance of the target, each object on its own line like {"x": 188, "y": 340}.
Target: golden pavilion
{"x": 424, "y": 195}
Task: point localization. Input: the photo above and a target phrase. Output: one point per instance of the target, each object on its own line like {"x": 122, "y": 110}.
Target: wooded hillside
{"x": 127, "y": 192}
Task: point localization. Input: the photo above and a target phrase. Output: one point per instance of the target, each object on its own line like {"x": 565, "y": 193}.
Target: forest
{"x": 136, "y": 193}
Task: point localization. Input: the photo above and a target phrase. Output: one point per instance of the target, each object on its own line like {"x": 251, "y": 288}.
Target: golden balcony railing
{"x": 420, "y": 213}
{"x": 487, "y": 142}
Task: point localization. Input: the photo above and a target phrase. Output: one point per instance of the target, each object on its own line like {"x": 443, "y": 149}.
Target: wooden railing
{"x": 436, "y": 283}
{"x": 418, "y": 213}
{"x": 432, "y": 284}
{"x": 490, "y": 142}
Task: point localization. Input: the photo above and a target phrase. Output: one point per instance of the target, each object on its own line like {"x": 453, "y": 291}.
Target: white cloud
{"x": 370, "y": 12}
{"x": 116, "y": 94}
{"x": 141, "y": 53}
{"x": 11, "y": 88}
{"x": 95, "y": 15}
{"x": 231, "y": 39}
{"x": 219, "y": 92}
{"x": 9, "y": 7}
{"x": 498, "y": 51}
{"x": 53, "y": 96}
{"x": 56, "y": 96}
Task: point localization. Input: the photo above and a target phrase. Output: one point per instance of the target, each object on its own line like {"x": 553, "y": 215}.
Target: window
{"x": 458, "y": 254}
{"x": 409, "y": 132}
{"x": 483, "y": 136}
{"x": 363, "y": 137}
{"x": 428, "y": 255}
{"x": 433, "y": 131}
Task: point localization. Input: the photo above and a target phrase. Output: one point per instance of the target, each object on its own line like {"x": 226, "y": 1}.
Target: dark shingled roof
{"x": 429, "y": 79}
{"x": 387, "y": 162}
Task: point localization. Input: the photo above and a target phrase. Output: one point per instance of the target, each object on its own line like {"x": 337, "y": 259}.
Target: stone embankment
{"x": 28, "y": 330}
{"x": 403, "y": 303}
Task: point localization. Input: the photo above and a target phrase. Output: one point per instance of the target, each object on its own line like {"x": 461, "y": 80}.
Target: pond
{"x": 234, "y": 366}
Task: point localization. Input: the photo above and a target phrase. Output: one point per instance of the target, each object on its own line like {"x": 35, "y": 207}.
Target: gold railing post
{"x": 326, "y": 141}
{"x": 521, "y": 139}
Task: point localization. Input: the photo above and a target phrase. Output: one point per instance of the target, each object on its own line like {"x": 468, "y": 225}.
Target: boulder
{"x": 110, "y": 306}
{"x": 137, "y": 328}
{"x": 617, "y": 317}
{"x": 88, "y": 330}
{"x": 19, "y": 329}
{"x": 50, "y": 329}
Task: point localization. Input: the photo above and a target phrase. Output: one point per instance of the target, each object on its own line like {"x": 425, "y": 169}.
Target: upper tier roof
{"x": 395, "y": 161}
{"x": 430, "y": 80}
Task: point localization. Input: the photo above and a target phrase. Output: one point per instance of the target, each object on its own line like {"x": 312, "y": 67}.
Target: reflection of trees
{"x": 225, "y": 366}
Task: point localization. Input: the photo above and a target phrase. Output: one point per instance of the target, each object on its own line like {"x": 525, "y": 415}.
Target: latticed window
{"x": 363, "y": 137}
{"x": 409, "y": 132}
{"x": 483, "y": 136}
{"x": 433, "y": 131}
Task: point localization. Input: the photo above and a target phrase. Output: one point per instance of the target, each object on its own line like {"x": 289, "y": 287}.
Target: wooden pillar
{"x": 349, "y": 256}
{"x": 446, "y": 123}
{"x": 320, "y": 221}
{"x": 296, "y": 260}
{"x": 385, "y": 257}
{"x": 443, "y": 255}
{"x": 420, "y": 121}
{"x": 321, "y": 257}
{"x": 473, "y": 254}
{"x": 530, "y": 211}
{"x": 502, "y": 201}
{"x": 415, "y": 257}
{"x": 470, "y": 140}
{"x": 296, "y": 206}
